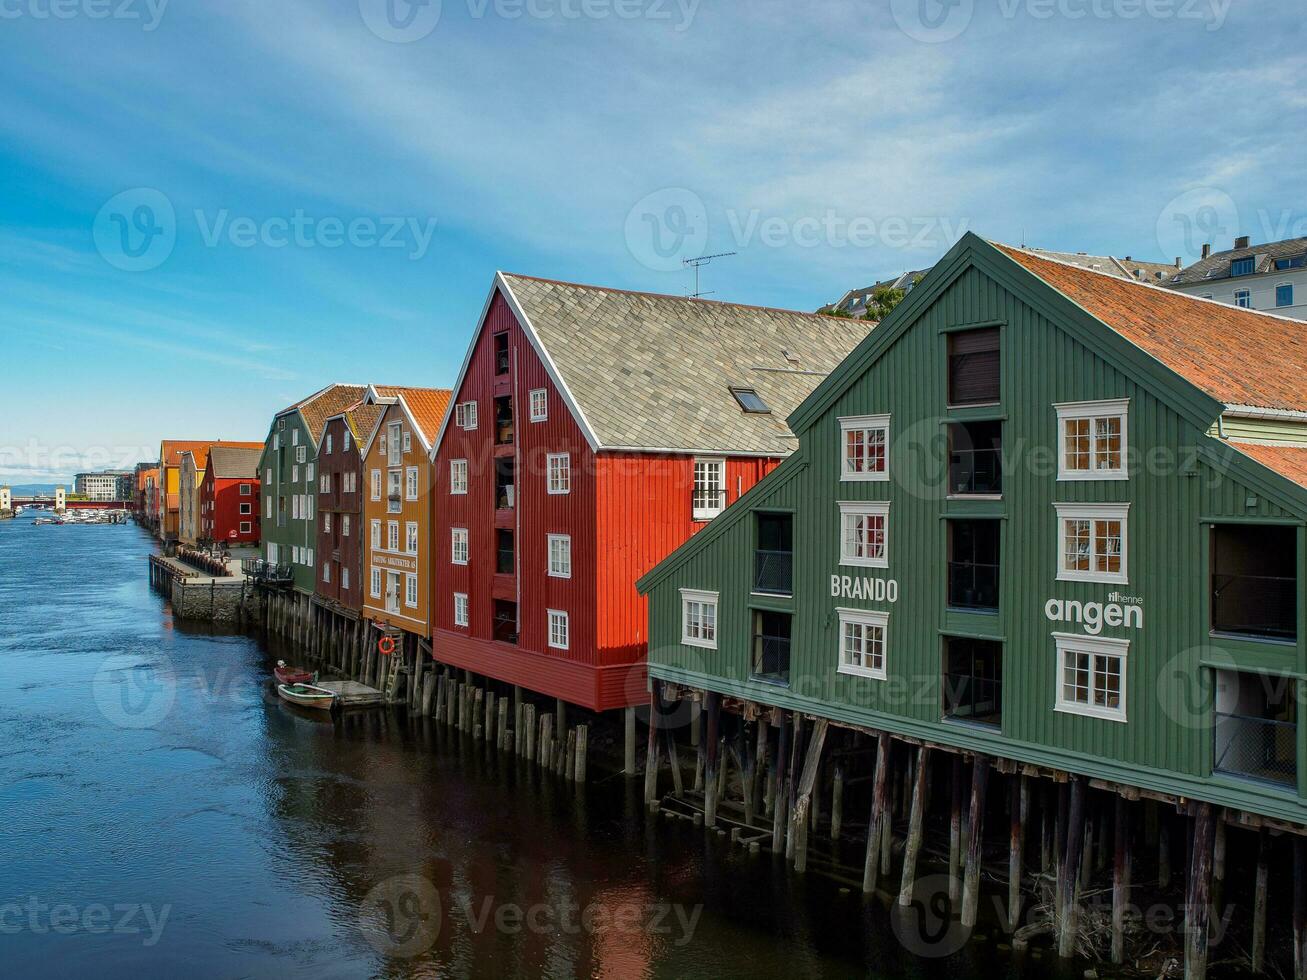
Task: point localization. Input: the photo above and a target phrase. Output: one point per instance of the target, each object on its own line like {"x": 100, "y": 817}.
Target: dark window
{"x": 501, "y": 353}
{"x": 1256, "y": 726}
{"x": 973, "y": 367}
{"x": 1243, "y": 267}
{"x": 505, "y": 489}
{"x": 505, "y": 621}
{"x": 750, "y": 402}
{"x": 1297, "y": 262}
{"x": 973, "y": 681}
{"x": 1255, "y": 580}
{"x": 975, "y": 463}
{"x": 504, "y": 421}
{"x": 1284, "y": 295}
{"x": 773, "y": 565}
{"x": 973, "y": 564}
{"x": 771, "y": 646}
{"x": 504, "y": 563}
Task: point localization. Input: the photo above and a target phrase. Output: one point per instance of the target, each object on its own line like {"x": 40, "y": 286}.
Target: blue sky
{"x": 828, "y": 143}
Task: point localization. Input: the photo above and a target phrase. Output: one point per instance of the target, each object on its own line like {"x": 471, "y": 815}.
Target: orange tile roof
{"x": 322, "y": 405}
{"x": 1239, "y": 357}
{"x": 361, "y": 419}
{"x": 170, "y": 450}
{"x": 426, "y": 405}
{"x": 1288, "y": 461}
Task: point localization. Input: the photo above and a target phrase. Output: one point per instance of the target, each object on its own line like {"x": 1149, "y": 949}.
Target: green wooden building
{"x": 1039, "y": 514}
{"x": 288, "y": 480}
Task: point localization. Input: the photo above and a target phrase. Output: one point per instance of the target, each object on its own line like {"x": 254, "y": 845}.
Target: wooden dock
{"x": 352, "y": 694}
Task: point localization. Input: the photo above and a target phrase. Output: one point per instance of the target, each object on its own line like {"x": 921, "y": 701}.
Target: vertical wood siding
{"x": 341, "y": 550}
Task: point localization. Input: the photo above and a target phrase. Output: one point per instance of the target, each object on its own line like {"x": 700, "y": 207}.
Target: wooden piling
{"x": 546, "y": 746}
{"x": 501, "y": 741}
{"x": 908, "y": 881}
{"x": 1258, "y": 957}
{"x": 971, "y": 882}
{"x": 651, "y": 750}
{"x": 955, "y": 834}
{"x": 582, "y": 748}
{"x": 871, "y": 864}
{"x": 1120, "y": 877}
{"x": 792, "y": 774}
{"x": 807, "y": 785}
{"x": 1199, "y": 894}
{"x": 1300, "y": 907}
{"x": 1070, "y": 873}
{"x": 628, "y": 758}
{"x": 778, "y": 782}
{"x": 837, "y": 800}
{"x": 529, "y": 723}
{"x": 1019, "y": 809}
{"x": 712, "y": 709}
{"x": 748, "y": 764}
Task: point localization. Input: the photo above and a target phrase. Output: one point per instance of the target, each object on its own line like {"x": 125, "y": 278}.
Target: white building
{"x": 6, "y": 500}
{"x": 1270, "y": 277}
{"x": 107, "y": 485}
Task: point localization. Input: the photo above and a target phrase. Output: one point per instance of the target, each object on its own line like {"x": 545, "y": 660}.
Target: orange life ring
{"x": 386, "y": 645}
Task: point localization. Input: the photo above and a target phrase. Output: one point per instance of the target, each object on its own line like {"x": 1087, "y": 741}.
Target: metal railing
{"x": 773, "y": 572}
{"x": 1259, "y": 605}
{"x": 973, "y": 698}
{"x": 771, "y": 657}
{"x": 1261, "y": 748}
{"x": 972, "y": 585}
{"x": 975, "y": 471}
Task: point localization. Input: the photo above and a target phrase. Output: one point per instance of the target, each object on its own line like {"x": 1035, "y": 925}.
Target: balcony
{"x": 973, "y": 681}
{"x": 505, "y": 561}
{"x": 975, "y": 467}
{"x": 771, "y": 647}
{"x": 1256, "y": 727}
{"x": 505, "y": 622}
{"x": 972, "y": 586}
{"x": 773, "y": 572}
{"x": 394, "y": 504}
{"x": 503, "y": 421}
{"x": 505, "y": 484}
{"x": 1254, "y": 581}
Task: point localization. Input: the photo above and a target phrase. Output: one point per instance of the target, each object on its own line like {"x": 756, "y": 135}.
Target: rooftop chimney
{"x": 1178, "y": 264}
{"x": 1207, "y": 251}
{"x": 1242, "y": 242}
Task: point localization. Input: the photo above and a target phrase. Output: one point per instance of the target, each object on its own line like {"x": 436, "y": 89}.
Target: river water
{"x": 163, "y": 815}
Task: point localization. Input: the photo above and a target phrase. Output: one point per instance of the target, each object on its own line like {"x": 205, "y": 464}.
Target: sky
{"x": 211, "y": 210}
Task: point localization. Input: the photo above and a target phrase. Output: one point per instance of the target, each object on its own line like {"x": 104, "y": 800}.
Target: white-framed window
{"x": 709, "y": 496}
{"x": 246, "y": 489}
{"x": 465, "y": 415}
{"x": 308, "y": 556}
{"x": 699, "y": 618}
{"x": 294, "y": 437}
{"x": 326, "y": 521}
{"x": 458, "y": 546}
{"x": 295, "y": 555}
{"x": 1091, "y": 675}
{"x": 376, "y": 484}
{"x": 247, "y": 508}
{"x": 302, "y": 454}
{"x": 558, "y": 467}
{"x": 460, "y": 609}
{"x": 247, "y": 527}
{"x": 324, "y": 483}
{"x": 346, "y": 440}
{"x": 411, "y": 590}
{"x": 411, "y": 537}
{"x": 276, "y": 436}
{"x": 344, "y": 525}
{"x": 863, "y": 635}
{"x": 396, "y": 450}
{"x": 295, "y": 506}
{"x": 267, "y": 509}
{"x": 308, "y": 473}
{"x": 1092, "y": 439}
{"x": 328, "y": 448}
{"x": 408, "y": 441}
{"x": 864, "y": 533}
{"x": 458, "y": 476}
{"x": 344, "y": 577}
{"x": 394, "y": 488}
{"x": 326, "y": 571}
{"x": 1243, "y": 298}
{"x": 560, "y": 556}
{"x": 307, "y": 507}
{"x": 295, "y": 473}
{"x": 376, "y": 535}
{"x": 864, "y": 448}
{"x": 411, "y": 483}
{"x": 539, "y": 404}
{"x": 376, "y": 583}
{"x": 392, "y": 535}
{"x": 1093, "y": 542}
{"x": 558, "y": 629}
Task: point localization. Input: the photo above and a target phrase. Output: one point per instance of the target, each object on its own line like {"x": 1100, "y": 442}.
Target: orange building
{"x": 397, "y": 508}
{"x": 168, "y": 489}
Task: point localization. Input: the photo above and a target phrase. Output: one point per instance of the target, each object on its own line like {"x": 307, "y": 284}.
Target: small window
{"x": 376, "y": 535}
{"x": 295, "y": 437}
{"x": 326, "y": 571}
{"x": 246, "y": 489}
{"x": 699, "y": 619}
{"x": 459, "y": 546}
{"x": 328, "y": 447}
{"x": 460, "y": 609}
{"x": 247, "y": 509}
{"x": 411, "y": 537}
{"x": 1093, "y": 438}
{"x": 558, "y": 630}
{"x": 864, "y": 534}
{"x": 709, "y": 495}
{"x": 559, "y": 467}
{"x": 973, "y": 367}
{"x": 347, "y": 440}
{"x": 408, "y": 441}
{"x": 862, "y": 642}
{"x": 468, "y": 414}
{"x": 376, "y": 583}
{"x": 560, "y": 556}
{"x": 750, "y": 402}
{"x": 1245, "y": 266}
{"x": 344, "y": 525}
{"x": 458, "y": 476}
{"x": 247, "y": 527}
{"x": 501, "y": 353}
{"x": 344, "y": 577}
{"x": 539, "y": 405}
{"x": 1243, "y": 299}
{"x": 326, "y": 521}
{"x": 376, "y": 485}
{"x": 1092, "y": 542}
{"x": 865, "y": 450}
{"x": 392, "y": 535}
{"x": 411, "y": 590}
{"x": 1284, "y": 294}
{"x": 1091, "y": 675}
{"x": 411, "y": 483}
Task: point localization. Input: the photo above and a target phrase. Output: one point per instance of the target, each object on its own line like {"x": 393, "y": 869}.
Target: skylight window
{"x": 1243, "y": 267}
{"x": 750, "y": 402}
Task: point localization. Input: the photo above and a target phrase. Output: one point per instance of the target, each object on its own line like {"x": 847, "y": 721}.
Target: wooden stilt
{"x": 975, "y": 835}
{"x": 748, "y": 764}
{"x": 760, "y": 773}
{"x": 1120, "y": 877}
{"x": 674, "y": 763}
{"x": 778, "y": 783}
{"x": 628, "y": 756}
{"x": 651, "y": 749}
{"x": 807, "y": 785}
{"x": 1060, "y": 848}
{"x": 955, "y": 834}
{"x": 712, "y": 703}
{"x": 1258, "y": 958}
{"x": 837, "y": 800}
{"x": 1299, "y": 908}
{"x": 793, "y": 772}
{"x": 1218, "y": 869}
{"x": 908, "y": 882}
{"x": 582, "y": 749}
{"x": 871, "y": 864}
{"x": 1019, "y": 805}
{"x": 545, "y": 755}
{"x": 1199, "y": 894}
{"x": 502, "y": 741}
{"x": 1164, "y": 853}
{"x": 1075, "y": 844}
{"x": 529, "y": 723}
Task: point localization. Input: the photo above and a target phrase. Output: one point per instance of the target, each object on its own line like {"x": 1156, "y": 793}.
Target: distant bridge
{"x": 75, "y": 504}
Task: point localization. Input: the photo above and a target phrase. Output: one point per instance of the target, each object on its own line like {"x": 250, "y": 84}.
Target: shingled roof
{"x": 322, "y": 405}
{"x": 644, "y": 371}
{"x": 1242, "y": 358}
{"x": 235, "y": 462}
{"x": 1217, "y": 267}
{"x": 425, "y": 406}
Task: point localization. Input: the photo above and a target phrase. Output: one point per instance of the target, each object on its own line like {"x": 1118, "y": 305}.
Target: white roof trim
{"x": 376, "y": 426}
{"x": 1253, "y": 412}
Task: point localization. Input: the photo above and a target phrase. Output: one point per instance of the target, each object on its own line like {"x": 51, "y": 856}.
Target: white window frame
{"x": 344, "y": 525}
{"x": 719, "y": 464}
{"x": 539, "y": 402}
{"x": 1293, "y": 295}
{"x": 458, "y": 545}
{"x": 376, "y": 582}
{"x": 247, "y": 510}
{"x": 328, "y": 448}
{"x": 863, "y": 508}
{"x": 326, "y": 521}
{"x": 1093, "y": 411}
{"x": 559, "y": 619}
{"x": 564, "y": 568}
{"x": 392, "y": 536}
{"x": 1094, "y": 647}
{"x": 461, "y": 617}
{"x": 866, "y": 424}
{"x": 458, "y": 477}
{"x": 347, "y": 440}
{"x": 376, "y": 535}
{"x": 1093, "y": 513}
{"x": 410, "y": 590}
{"x": 408, "y": 441}
{"x": 411, "y": 483}
{"x": 376, "y": 486}
{"x": 1248, "y": 293}
{"x": 294, "y": 473}
{"x": 564, "y": 485}
{"x": 344, "y": 576}
{"x": 247, "y": 527}
{"x": 267, "y": 509}
{"x": 864, "y": 618}
{"x": 246, "y": 489}
{"x": 294, "y": 437}
{"x": 465, "y": 416}
{"x": 712, "y": 599}
{"x": 411, "y": 537}
{"x": 326, "y": 572}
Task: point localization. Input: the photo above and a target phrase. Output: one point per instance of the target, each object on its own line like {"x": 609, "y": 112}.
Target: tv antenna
{"x": 696, "y": 264}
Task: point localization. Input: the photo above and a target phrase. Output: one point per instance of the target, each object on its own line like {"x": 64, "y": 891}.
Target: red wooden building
{"x": 341, "y": 530}
{"x": 229, "y": 496}
{"x": 592, "y": 432}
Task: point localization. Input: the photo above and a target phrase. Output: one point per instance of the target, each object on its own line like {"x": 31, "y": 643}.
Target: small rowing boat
{"x": 287, "y": 674}
{"x": 306, "y": 696}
